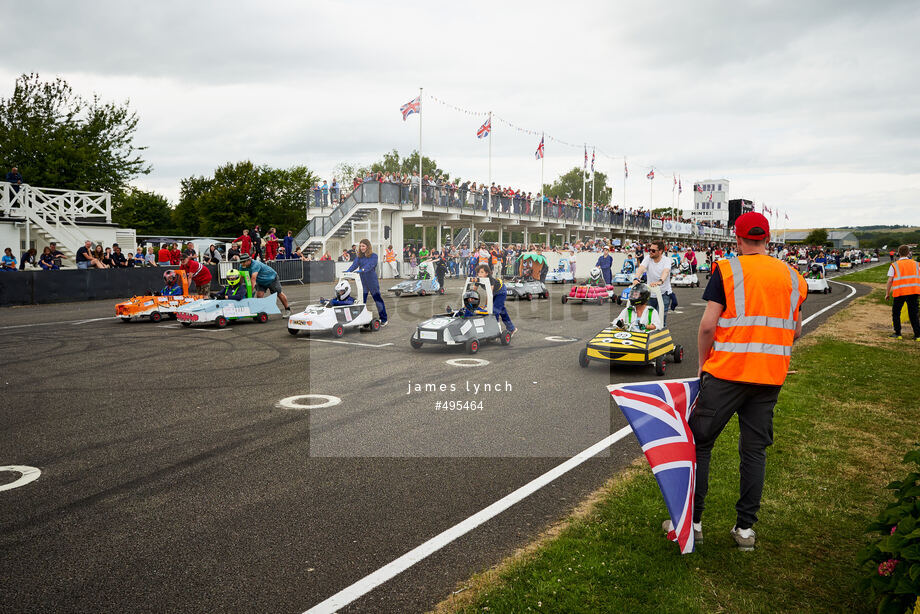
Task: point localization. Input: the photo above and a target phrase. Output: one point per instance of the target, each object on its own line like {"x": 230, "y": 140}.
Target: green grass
{"x": 877, "y": 274}
{"x": 842, "y": 424}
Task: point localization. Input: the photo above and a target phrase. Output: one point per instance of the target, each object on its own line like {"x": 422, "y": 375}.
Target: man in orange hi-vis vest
{"x": 390, "y": 259}
{"x": 745, "y": 341}
{"x": 904, "y": 286}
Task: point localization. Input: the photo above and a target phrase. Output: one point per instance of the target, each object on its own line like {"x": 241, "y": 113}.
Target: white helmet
{"x": 595, "y": 272}
{"x": 342, "y": 289}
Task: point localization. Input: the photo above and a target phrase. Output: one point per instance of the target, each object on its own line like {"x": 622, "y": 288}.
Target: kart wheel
{"x": 415, "y": 343}
{"x": 262, "y": 317}
{"x": 421, "y": 292}
{"x": 829, "y": 289}
{"x": 619, "y": 300}
{"x": 697, "y": 284}
{"x": 221, "y": 322}
{"x": 659, "y": 366}
{"x": 375, "y": 324}
{"x": 186, "y": 324}
{"x": 171, "y": 316}
{"x": 505, "y": 338}
{"x": 528, "y": 297}
{"x": 125, "y": 319}
{"x": 583, "y": 359}
{"x": 339, "y": 330}
{"x": 546, "y": 294}
{"x": 678, "y": 353}
{"x": 398, "y": 293}
{"x": 156, "y": 316}
{"x": 565, "y": 300}
{"x": 472, "y": 346}
{"x": 293, "y": 331}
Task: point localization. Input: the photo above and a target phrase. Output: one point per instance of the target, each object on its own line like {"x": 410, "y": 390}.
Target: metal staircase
{"x": 338, "y": 224}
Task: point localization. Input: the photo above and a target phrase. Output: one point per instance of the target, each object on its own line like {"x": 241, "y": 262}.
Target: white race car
{"x": 816, "y": 279}
{"x": 325, "y": 316}
{"x": 683, "y": 278}
{"x": 562, "y": 273}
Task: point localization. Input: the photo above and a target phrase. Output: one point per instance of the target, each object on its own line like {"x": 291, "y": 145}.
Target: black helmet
{"x": 639, "y": 294}
{"x": 815, "y": 268}
{"x": 471, "y": 299}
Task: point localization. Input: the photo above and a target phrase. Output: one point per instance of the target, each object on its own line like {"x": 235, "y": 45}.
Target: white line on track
{"x": 815, "y": 315}
{"x": 372, "y": 581}
{"x": 73, "y": 322}
{"x": 367, "y": 345}
{"x": 368, "y": 583}
{"x": 28, "y": 474}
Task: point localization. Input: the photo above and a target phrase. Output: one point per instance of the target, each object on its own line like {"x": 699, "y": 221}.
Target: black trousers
{"x": 718, "y": 401}
{"x": 912, "y": 301}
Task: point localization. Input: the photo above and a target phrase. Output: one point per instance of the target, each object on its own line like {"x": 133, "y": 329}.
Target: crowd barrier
{"x": 65, "y": 286}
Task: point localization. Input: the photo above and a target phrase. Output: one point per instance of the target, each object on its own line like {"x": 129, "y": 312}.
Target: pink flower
{"x": 887, "y": 568}
{"x": 893, "y": 529}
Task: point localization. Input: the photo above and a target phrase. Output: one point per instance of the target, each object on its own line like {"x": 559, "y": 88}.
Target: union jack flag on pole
{"x": 413, "y": 106}
{"x": 625, "y": 170}
{"x": 699, "y": 188}
{"x": 710, "y": 197}
{"x": 592, "y": 161}
{"x": 484, "y": 129}
{"x": 586, "y": 157}
{"x": 680, "y": 187}
{"x": 651, "y": 174}
{"x": 539, "y": 154}
{"x": 658, "y": 413}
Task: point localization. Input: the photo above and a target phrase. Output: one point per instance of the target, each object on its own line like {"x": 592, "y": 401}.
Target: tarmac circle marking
{"x": 296, "y": 401}
{"x": 29, "y": 474}
{"x": 559, "y": 339}
{"x": 467, "y": 362}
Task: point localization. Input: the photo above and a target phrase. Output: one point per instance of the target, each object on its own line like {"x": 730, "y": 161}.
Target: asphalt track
{"x": 173, "y": 481}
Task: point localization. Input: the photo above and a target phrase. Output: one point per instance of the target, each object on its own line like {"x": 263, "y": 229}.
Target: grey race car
{"x": 452, "y": 328}
{"x": 526, "y": 289}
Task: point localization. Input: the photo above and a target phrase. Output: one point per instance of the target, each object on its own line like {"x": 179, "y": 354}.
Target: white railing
{"x": 56, "y": 212}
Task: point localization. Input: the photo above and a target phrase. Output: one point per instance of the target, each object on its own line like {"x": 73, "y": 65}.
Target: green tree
{"x": 146, "y": 212}
{"x": 569, "y": 186}
{"x": 392, "y": 163}
{"x": 242, "y": 195}
{"x": 818, "y": 236}
{"x": 59, "y": 140}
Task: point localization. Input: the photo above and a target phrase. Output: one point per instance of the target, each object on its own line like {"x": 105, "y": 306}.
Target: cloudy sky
{"x": 810, "y": 107}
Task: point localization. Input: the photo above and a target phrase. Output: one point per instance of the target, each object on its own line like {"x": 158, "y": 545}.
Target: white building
{"x": 710, "y": 201}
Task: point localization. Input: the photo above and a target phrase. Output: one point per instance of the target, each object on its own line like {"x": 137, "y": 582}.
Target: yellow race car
{"x": 640, "y": 348}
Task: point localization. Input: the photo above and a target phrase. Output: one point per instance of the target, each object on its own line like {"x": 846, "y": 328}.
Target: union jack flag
{"x": 484, "y": 129}
{"x": 413, "y": 106}
{"x": 710, "y": 197}
{"x": 787, "y": 215}
{"x": 539, "y": 153}
{"x": 625, "y": 170}
{"x": 592, "y": 162}
{"x": 586, "y": 157}
{"x": 651, "y": 175}
{"x": 699, "y": 188}
{"x": 680, "y": 187}
{"x": 658, "y": 414}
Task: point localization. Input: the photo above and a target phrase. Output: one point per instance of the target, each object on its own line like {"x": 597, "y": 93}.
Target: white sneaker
{"x": 667, "y": 527}
{"x": 745, "y": 538}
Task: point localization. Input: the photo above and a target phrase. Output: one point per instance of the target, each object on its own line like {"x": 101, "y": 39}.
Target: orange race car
{"x": 154, "y": 307}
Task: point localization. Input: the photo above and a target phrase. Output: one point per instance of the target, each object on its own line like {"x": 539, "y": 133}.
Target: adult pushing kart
{"x": 683, "y": 277}
{"x": 469, "y": 326}
{"x": 594, "y": 290}
{"x": 155, "y": 305}
{"x": 817, "y": 279}
{"x": 635, "y": 338}
{"x": 345, "y": 310}
{"x": 234, "y": 302}
{"x": 423, "y": 283}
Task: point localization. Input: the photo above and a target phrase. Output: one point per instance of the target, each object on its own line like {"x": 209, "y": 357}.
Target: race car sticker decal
{"x": 466, "y": 326}
{"x": 622, "y": 335}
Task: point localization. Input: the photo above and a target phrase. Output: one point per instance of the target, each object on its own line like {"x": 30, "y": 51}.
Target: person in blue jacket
{"x": 235, "y": 290}
{"x": 342, "y": 294}
{"x": 605, "y": 263}
{"x": 172, "y": 287}
{"x": 366, "y": 266}
{"x": 499, "y": 293}
{"x": 471, "y": 305}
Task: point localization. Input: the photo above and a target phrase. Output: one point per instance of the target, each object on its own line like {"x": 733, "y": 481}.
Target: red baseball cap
{"x": 752, "y": 226}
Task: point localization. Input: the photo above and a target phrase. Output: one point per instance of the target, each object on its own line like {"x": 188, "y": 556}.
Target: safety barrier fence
{"x": 289, "y": 271}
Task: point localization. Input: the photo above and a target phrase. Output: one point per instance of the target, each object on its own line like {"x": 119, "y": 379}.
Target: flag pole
{"x": 592, "y": 182}
{"x": 651, "y": 200}
{"x": 584, "y": 180}
{"x": 490, "y": 149}
{"x": 420, "y": 149}
{"x": 542, "y": 166}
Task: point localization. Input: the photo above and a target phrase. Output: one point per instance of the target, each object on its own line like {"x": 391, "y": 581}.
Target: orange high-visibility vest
{"x": 754, "y": 335}
{"x": 389, "y": 256}
{"x": 906, "y": 277}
